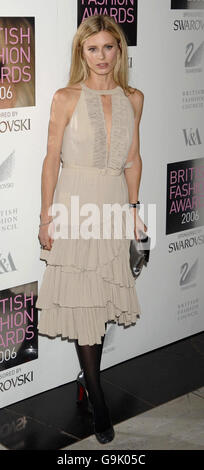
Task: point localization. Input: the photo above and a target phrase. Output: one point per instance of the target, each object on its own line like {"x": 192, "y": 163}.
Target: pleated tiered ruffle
{"x": 86, "y": 283}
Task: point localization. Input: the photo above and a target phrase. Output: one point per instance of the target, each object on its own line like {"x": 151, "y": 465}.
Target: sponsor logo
{"x": 191, "y": 137}
{"x": 194, "y": 57}
{"x": 188, "y": 25}
{"x": 14, "y": 382}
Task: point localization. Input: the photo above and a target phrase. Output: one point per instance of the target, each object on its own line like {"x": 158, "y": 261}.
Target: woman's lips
{"x": 102, "y": 66}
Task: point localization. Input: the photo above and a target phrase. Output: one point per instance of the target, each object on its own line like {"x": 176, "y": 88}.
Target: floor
{"x": 156, "y": 401}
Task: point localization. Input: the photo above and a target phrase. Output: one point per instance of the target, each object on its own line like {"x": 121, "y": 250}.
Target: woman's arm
{"x": 51, "y": 163}
{"x": 133, "y": 174}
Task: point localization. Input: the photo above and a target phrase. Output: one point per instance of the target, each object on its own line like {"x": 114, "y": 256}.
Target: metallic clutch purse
{"x": 139, "y": 254}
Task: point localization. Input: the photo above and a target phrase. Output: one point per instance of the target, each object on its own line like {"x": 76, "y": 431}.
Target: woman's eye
{"x": 93, "y": 48}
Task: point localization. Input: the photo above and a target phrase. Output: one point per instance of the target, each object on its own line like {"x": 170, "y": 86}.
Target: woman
{"x": 94, "y": 122}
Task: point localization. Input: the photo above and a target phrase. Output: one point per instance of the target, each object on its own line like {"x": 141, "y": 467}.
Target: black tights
{"x": 90, "y": 360}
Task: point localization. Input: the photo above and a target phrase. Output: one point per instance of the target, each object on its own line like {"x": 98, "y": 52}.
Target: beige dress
{"x": 88, "y": 282}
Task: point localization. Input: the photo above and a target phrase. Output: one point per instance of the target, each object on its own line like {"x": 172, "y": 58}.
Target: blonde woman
{"x": 94, "y": 124}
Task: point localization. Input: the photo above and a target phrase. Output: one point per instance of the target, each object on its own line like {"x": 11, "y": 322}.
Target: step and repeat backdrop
{"x": 166, "y": 62}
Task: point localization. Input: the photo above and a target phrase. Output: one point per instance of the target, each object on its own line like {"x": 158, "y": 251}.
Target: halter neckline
{"x": 103, "y": 92}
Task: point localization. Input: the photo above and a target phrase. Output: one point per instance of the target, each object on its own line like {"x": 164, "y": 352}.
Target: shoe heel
{"x": 80, "y": 393}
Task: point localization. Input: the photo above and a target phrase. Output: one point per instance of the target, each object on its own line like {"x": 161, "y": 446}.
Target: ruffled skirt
{"x": 86, "y": 283}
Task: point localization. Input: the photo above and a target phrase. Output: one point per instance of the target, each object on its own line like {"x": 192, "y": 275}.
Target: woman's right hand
{"x": 45, "y": 235}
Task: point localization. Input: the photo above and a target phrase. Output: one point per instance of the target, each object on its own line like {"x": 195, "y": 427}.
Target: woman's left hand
{"x": 139, "y": 226}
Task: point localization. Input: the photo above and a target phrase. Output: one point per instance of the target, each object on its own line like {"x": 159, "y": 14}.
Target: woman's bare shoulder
{"x": 66, "y": 93}
{"x": 66, "y": 99}
{"x": 137, "y": 99}
{"x": 136, "y": 93}
{"x": 69, "y": 90}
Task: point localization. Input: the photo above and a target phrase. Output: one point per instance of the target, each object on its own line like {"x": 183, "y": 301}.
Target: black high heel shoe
{"x": 102, "y": 436}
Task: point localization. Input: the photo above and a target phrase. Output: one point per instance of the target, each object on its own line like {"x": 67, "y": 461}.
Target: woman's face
{"x": 100, "y": 52}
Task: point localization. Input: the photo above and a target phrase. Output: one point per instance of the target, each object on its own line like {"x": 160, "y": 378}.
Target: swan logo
{"x": 188, "y": 273}
{"x": 187, "y": 4}
{"x": 194, "y": 57}
{"x": 7, "y": 167}
{"x": 192, "y": 137}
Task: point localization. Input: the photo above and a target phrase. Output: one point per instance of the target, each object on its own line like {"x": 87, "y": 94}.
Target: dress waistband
{"x": 101, "y": 171}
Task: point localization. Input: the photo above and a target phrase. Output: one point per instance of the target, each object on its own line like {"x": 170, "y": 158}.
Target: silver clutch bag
{"x": 139, "y": 254}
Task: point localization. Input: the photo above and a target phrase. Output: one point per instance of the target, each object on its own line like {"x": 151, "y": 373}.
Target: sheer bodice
{"x": 85, "y": 140}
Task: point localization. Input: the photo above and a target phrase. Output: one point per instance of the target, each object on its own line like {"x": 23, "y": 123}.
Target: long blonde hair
{"x": 79, "y": 70}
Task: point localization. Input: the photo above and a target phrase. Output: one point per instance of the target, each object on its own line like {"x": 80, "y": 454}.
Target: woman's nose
{"x": 101, "y": 54}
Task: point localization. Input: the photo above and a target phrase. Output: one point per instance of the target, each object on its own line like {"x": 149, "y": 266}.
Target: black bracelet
{"x": 136, "y": 204}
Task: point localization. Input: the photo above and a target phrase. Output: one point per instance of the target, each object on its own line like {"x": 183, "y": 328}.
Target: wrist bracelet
{"x": 45, "y": 223}
{"x": 135, "y": 204}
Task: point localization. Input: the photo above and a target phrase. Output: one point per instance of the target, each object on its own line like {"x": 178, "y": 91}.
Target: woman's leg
{"x": 90, "y": 359}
